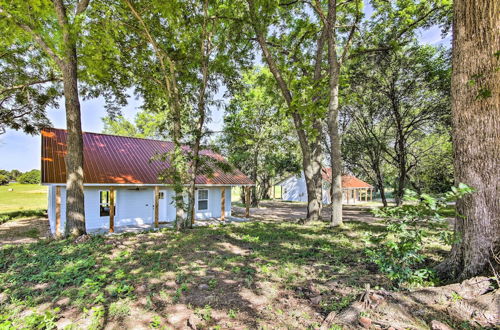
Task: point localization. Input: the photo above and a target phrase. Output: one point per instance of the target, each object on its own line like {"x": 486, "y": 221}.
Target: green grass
{"x": 161, "y": 269}
{"x": 24, "y": 198}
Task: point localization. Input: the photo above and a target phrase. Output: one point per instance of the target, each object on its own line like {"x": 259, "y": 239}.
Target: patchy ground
{"x": 23, "y": 231}
{"x": 293, "y": 211}
{"x": 260, "y": 274}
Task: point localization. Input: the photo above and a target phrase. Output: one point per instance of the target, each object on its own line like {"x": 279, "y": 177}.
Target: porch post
{"x": 222, "y": 204}
{"x": 193, "y": 213}
{"x": 157, "y": 197}
{"x": 111, "y": 210}
{"x": 58, "y": 211}
{"x": 371, "y": 194}
{"x": 247, "y": 202}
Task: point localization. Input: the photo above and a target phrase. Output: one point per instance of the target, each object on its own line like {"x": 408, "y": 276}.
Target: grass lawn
{"x": 248, "y": 275}
{"x": 24, "y": 200}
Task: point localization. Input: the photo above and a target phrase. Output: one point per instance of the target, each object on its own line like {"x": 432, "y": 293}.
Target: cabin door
{"x": 166, "y": 211}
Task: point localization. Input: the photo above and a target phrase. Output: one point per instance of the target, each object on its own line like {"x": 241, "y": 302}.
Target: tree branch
{"x": 37, "y": 82}
{"x": 36, "y": 37}
{"x": 81, "y": 6}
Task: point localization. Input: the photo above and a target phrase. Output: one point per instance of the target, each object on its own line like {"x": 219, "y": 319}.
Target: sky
{"x": 21, "y": 151}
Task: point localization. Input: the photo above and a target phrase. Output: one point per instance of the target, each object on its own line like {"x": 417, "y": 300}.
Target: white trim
{"x": 109, "y": 202}
{"x": 204, "y": 199}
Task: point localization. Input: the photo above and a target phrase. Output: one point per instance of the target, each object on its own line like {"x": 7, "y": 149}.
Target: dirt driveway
{"x": 293, "y": 211}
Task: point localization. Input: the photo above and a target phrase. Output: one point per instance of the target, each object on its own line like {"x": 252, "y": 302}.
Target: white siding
{"x": 294, "y": 189}
{"x": 134, "y": 207}
{"x": 214, "y": 203}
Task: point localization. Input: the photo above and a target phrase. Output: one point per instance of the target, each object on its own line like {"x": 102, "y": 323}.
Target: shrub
{"x": 398, "y": 250}
{"x": 31, "y": 177}
{"x": 4, "y": 180}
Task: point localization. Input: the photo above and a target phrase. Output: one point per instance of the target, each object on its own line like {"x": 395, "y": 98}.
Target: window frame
{"x": 198, "y": 200}
{"x": 101, "y": 204}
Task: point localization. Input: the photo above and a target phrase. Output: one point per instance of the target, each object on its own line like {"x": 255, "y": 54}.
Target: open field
{"x": 24, "y": 197}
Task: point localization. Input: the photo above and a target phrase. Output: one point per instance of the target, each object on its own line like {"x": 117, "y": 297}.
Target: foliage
{"x": 398, "y": 251}
{"x": 145, "y": 125}
{"x": 396, "y": 116}
{"x": 31, "y": 177}
{"x": 257, "y": 136}
{"x": 4, "y": 180}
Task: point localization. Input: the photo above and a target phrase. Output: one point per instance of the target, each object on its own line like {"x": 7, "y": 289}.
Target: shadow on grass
{"x": 246, "y": 275}
{"x": 7, "y": 216}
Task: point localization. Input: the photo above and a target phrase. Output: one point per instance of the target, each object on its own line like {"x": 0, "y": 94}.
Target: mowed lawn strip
{"x": 257, "y": 275}
{"x": 23, "y": 197}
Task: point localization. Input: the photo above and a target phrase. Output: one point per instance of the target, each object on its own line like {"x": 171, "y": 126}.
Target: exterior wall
{"x": 294, "y": 189}
{"x": 134, "y": 206}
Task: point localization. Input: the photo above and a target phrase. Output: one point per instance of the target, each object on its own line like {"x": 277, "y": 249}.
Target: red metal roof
{"x": 111, "y": 159}
{"x": 348, "y": 181}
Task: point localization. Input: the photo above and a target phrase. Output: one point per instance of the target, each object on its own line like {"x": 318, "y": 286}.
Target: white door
{"x": 135, "y": 207}
{"x": 166, "y": 211}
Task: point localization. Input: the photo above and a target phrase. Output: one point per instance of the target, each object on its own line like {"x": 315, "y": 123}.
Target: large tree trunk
{"x": 314, "y": 180}
{"x": 335, "y": 156}
{"x": 476, "y": 132}
{"x": 75, "y": 210}
{"x": 333, "y": 117}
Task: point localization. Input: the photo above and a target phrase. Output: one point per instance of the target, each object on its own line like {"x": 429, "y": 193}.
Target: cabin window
{"x": 202, "y": 199}
{"x": 104, "y": 203}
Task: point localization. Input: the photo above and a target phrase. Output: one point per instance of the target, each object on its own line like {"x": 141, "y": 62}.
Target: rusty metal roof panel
{"x": 111, "y": 159}
{"x": 348, "y": 181}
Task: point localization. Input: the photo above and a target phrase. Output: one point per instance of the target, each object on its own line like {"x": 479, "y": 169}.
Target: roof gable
{"x": 111, "y": 159}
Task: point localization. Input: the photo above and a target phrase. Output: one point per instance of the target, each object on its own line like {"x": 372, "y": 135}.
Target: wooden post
{"x": 157, "y": 203}
{"x": 58, "y": 211}
{"x": 111, "y": 210}
{"x": 355, "y": 195}
{"x": 222, "y": 204}
{"x": 247, "y": 202}
{"x": 371, "y": 194}
{"x": 193, "y": 213}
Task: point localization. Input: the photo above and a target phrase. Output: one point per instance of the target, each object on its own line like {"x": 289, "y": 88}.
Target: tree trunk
{"x": 312, "y": 153}
{"x": 333, "y": 118}
{"x": 476, "y": 132}
{"x": 380, "y": 186}
{"x": 335, "y": 157}
{"x": 75, "y": 210}
{"x": 314, "y": 180}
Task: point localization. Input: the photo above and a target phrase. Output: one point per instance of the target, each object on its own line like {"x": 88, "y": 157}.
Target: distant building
{"x": 354, "y": 190}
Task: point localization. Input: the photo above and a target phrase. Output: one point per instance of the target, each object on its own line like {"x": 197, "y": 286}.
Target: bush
{"x": 4, "y": 180}
{"x": 31, "y": 177}
{"x": 398, "y": 250}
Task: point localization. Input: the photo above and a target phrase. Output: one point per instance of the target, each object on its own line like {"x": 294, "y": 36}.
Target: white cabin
{"x": 121, "y": 185}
